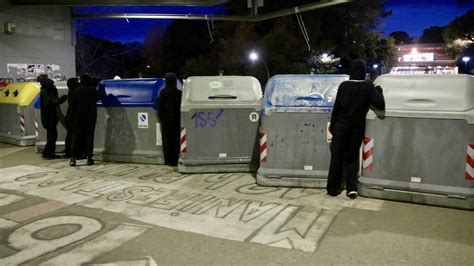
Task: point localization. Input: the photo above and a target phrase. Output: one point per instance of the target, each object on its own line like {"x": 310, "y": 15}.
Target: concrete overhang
{"x": 251, "y": 18}
{"x": 117, "y": 2}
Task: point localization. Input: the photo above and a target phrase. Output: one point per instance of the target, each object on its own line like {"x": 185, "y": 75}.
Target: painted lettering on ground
{"x": 53, "y": 235}
{"x": 228, "y": 206}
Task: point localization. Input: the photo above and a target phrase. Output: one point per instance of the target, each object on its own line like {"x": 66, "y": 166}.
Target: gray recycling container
{"x": 219, "y": 124}
{"x": 294, "y": 138}
{"x": 127, "y": 128}
{"x": 422, "y": 151}
{"x": 40, "y": 132}
{"x": 17, "y": 113}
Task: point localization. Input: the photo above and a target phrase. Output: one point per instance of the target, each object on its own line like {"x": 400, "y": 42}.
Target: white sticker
{"x": 222, "y": 155}
{"x": 159, "y": 141}
{"x": 18, "y": 110}
{"x": 254, "y": 116}
{"x": 142, "y": 120}
{"x": 215, "y": 84}
{"x": 328, "y": 133}
{"x": 416, "y": 179}
{"x": 308, "y": 168}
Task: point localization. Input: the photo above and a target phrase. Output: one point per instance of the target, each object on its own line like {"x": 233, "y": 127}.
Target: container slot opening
{"x": 222, "y": 97}
{"x": 310, "y": 98}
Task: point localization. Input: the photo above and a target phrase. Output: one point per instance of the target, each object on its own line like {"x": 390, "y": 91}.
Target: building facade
{"x": 424, "y": 59}
{"x": 36, "y": 40}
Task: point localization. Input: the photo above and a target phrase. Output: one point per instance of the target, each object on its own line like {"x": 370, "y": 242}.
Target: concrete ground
{"x": 131, "y": 214}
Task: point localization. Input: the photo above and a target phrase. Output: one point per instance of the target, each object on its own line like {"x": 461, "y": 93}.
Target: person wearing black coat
{"x": 169, "y": 102}
{"x": 72, "y": 84}
{"x": 353, "y": 100}
{"x": 84, "y": 116}
{"x": 49, "y": 102}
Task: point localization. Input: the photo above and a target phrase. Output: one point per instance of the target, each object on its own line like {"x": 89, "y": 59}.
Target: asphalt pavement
{"x": 136, "y": 214}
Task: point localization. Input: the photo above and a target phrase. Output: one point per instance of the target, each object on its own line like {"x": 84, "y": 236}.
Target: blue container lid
{"x": 302, "y": 91}
{"x": 131, "y": 92}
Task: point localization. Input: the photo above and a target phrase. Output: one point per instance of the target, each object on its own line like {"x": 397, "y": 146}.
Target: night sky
{"x": 412, "y": 16}
{"x": 134, "y": 29}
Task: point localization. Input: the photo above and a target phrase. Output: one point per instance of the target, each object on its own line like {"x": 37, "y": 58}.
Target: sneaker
{"x": 352, "y": 194}
{"x": 90, "y": 161}
{"x": 72, "y": 162}
{"x": 332, "y": 193}
{"x": 51, "y": 157}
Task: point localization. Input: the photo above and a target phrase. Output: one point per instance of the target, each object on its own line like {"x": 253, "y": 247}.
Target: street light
{"x": 465, "y": 60}
{"x": 253, "y": 56}
{"x": 375, "y": 66}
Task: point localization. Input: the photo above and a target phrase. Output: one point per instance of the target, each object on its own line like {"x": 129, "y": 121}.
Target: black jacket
{"x": 354, "y": 98}
{"x": 48, "y": 103}
{"x": 83, "y": 106}
{"x": 353, "y": 101}
{"x": 169, "y": 103}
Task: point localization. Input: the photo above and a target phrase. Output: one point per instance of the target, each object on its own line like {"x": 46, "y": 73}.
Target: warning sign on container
{"x": 142, "y": 120}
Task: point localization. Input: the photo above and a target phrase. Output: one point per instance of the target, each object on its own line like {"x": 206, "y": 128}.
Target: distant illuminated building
{"x": 424, "y": 59}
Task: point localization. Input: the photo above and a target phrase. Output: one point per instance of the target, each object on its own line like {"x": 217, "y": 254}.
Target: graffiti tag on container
{"x": 207, "y": 119}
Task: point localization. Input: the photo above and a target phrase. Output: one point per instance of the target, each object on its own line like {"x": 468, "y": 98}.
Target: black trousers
{"x": 170, "y": 131}
{"x": 68, "y": 140}
{"x": 83, "y": 136}
{"x": 345, "y": 148}
{"x": 51, "y": 137}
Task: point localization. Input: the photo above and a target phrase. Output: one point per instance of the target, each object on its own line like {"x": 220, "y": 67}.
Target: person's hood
{"x": 87, "y": 80}
{"x": 46, "y": 83}
{"x": 358, "y": 70}
{"x": 171, "y": 80}
{"x": 72, "y": 83}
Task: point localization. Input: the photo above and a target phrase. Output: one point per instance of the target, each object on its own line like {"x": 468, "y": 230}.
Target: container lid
{"x": 208, "y": 90}
{"x": 428, "y": 92}
{"x": 131, "y": 92}
{"x": 21, "y": 94}
{"x": 302, "y": 91}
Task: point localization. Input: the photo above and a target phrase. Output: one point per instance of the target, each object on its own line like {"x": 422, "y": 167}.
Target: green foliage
{"x": 347, "y": 31}
{"x": 432, "y": 35}
{"x": 105, "y": 59}
{"x": 459, "y": 34}
{"x": 229, "y": 54}
{"x": 401, "y": 37}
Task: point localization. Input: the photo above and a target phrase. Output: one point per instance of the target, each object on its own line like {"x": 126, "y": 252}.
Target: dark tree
{"x": 433, "y": 34}
{"x": 345, "y": 31}
{"x": 182, "y": 40}
{"x": 401, "y": 37}
{"x": 459, "y": 34}
{"x": 105, "y": 59}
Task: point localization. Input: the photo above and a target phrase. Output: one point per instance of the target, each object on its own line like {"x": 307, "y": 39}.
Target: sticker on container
{"x": 328, "y": 133}
{"x": 18, "y": 110}
{"x": 416, "y": 179}
{"x": 222, "y": 155}
{"x": 308, "y": 168}
{"x": 254, "y": 116}
{"x": 159, "y": 141}
{"x": 142, "y": 120}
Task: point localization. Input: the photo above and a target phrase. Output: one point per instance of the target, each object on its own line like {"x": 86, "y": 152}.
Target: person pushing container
{"x": 72, "y": 84}
{"x": 354, "y": 97}
{"x": 49, "y": 102}
{"x": 84, "y": 116}
{"x": 169, "y": 103}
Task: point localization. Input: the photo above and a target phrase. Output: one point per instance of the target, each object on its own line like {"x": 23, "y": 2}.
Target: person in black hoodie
{"x": 49, "y": 102}
{"x": 72, "y": 84}
{"x": 84, "y": 116}
{"x": 169, "y": 102}
{"x": 353, "y": 100}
